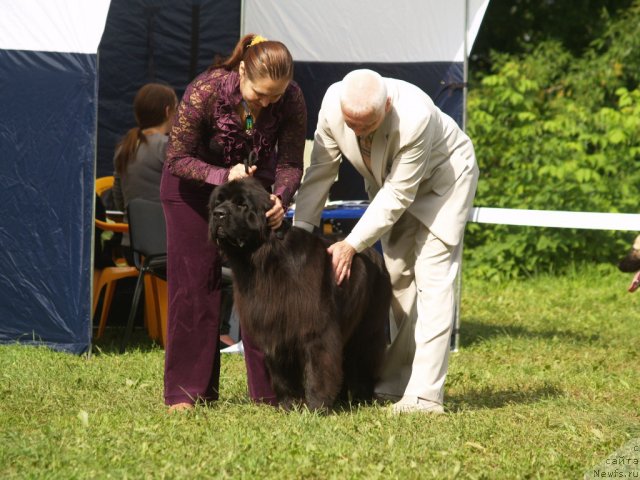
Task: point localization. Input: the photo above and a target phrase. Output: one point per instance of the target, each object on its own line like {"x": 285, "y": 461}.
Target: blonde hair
{"x": 363, "y": 92}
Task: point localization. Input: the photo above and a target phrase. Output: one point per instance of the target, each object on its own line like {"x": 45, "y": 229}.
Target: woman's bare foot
{"x": 180, "y": 407}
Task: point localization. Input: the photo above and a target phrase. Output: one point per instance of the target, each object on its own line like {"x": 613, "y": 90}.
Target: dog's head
{"x": 237, "y": 218}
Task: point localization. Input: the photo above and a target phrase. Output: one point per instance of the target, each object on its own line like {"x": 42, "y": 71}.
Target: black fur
{"x": 320, "y": 340}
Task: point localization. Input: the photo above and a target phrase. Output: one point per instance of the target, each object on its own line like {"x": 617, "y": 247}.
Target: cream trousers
{"x": 423, "y": 273}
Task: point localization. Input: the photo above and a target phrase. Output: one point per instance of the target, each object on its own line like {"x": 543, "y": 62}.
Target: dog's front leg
{"x": 323, "y": 369}
{"x": 286, "y": 380}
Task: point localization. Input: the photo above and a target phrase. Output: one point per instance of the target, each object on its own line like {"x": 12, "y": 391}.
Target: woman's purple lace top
{"x": 208, "y": 136}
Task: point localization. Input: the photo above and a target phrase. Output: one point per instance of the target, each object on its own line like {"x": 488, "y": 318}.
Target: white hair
{"x": 363, "y": 92}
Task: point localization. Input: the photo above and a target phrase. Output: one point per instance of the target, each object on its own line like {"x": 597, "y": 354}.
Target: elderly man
{"x": 420, "y": 174}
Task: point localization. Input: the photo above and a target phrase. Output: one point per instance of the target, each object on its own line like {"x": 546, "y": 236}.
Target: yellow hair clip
{"x": 256, "y": 40}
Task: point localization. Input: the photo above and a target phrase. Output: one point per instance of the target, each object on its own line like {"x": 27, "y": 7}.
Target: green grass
{"x": 545, "y": 385}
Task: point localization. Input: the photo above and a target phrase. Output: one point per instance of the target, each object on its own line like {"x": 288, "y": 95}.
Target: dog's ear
{"x": 260, "y": 197}
{"x": 213, "y": 198}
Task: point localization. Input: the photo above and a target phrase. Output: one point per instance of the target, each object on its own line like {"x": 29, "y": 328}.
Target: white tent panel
{"x": 367, "y": 30}
{"x": 70, "y": 26}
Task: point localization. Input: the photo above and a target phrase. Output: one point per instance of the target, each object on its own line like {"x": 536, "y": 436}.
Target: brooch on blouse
{"x": 248, "y": 120}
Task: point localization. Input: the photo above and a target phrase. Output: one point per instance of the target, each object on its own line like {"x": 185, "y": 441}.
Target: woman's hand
{"x": 237, "y": 172}
{"x": 341, "y": 256}
{"x": 276, "y": 214}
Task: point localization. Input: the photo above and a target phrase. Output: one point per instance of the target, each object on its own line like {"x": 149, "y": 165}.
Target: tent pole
{"x": 465, "y": 65}
{"x": 242, "y": 18}
{"x": 455, "y": 334}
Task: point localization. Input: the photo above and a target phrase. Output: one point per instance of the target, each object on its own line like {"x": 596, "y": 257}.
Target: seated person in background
{"x": 140, "y": 155}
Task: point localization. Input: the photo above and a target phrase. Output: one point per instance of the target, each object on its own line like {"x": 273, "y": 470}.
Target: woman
{"x": 244, "y": 105}
{"x": 141, "y": 153}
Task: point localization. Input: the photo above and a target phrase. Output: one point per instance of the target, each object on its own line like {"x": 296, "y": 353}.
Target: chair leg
{"x": 106, "y": 306}
{"x": 155, "y": 291}
{"x": 151, "y": 307}
{"x": 134, "y": 308}
{"x": 97, "y": 286}
{"x": 162, "y": 298}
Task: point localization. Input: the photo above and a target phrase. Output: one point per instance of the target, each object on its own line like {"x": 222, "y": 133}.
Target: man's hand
{"x": 276, "y": 214}
{"x": 341, "y": 256}
{"x": 237, "y": 172}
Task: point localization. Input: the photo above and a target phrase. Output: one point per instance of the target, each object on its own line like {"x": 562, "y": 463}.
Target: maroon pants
{"x": 192, "y": 358}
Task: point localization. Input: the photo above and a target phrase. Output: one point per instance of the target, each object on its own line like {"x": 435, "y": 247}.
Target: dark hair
{"x": 150, "y": 109}
{"x": 267, "y": 58}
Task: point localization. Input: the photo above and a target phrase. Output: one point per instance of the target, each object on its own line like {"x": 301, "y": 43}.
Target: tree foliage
{"x": 557, "y": 131}
{"x": 517, "y": 26}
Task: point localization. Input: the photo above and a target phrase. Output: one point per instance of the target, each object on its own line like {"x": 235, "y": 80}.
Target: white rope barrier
{"x": 556, "y": 218}
{"x": 543, "y": 218}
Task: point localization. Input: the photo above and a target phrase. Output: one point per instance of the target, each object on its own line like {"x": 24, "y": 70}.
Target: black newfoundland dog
{"x": 321, "y": 341}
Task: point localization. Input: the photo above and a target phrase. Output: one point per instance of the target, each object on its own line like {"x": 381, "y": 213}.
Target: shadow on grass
{"x": 487, "y": 398}
{"x": 474, "y": 331}
{"x": 111, "y": 341}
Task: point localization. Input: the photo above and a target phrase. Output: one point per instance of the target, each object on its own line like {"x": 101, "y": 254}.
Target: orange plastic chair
{"x": 155, "y": 301}
{"x": 155, "y": 304}
{"x": 108, "y": 277}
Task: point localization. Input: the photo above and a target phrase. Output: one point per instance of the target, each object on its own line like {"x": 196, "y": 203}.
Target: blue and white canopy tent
{"x": 48, "y": 93}
{"x": 61, "y": 115}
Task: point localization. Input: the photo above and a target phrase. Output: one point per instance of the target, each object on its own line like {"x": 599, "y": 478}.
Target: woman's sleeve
{"x": 186, "y": 136}
{"x": 291, "y": 139}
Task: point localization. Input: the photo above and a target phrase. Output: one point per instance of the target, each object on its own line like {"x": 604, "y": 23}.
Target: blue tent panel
{"x": 46, "y": 193}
